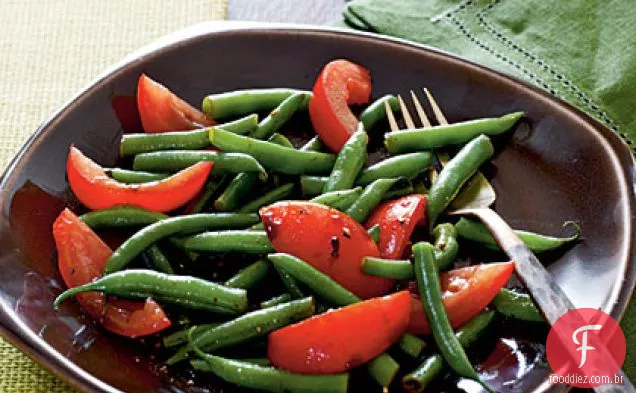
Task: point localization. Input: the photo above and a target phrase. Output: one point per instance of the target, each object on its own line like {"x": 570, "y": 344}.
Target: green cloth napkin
{"x": 582, "y": 51}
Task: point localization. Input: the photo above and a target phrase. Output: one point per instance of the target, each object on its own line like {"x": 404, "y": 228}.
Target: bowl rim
{"x": 17, "y": 333}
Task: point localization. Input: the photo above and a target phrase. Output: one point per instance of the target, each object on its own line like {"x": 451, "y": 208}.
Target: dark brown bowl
{"x": 559, "y": 165}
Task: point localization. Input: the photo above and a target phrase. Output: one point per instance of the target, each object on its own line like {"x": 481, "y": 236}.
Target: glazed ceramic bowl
{"x": 558, "y": 165}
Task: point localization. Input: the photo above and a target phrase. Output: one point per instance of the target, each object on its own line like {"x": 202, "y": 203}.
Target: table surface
{"x": 291, "y": 11}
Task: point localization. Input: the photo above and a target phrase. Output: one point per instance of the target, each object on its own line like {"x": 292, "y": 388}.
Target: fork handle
{"x": 551, "y": 299}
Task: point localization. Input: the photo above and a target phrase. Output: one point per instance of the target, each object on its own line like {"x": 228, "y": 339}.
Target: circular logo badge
{"x": 586, "y": 348}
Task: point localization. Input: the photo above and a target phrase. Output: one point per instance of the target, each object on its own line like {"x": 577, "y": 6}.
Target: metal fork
{"x": 551, "y": 299}
{"x": 477, "y": 192}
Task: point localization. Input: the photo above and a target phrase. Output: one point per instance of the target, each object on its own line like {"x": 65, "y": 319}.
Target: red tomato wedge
{"x": 465, "y": 292}
{"x": 341, "y": 339}
{"x": 339, "y": 84}
{"x": 397, "y": 219}
{"x": 96, "y": 190}
{"x": 327, "y": 239}
{"x": 82, "y": 256}
{"x": 161, "y": 110}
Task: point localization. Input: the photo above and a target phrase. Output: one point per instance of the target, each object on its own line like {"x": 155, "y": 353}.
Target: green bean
{"x": 399, "y": 192}
{"x": 241, "y": 126}
{"x": 253, "y": 324}
{"x": 370, "y": 198}
{"x": 339, "y": 200}
{"x": 433, "y": 365}
{"x": 446, "y": 247}
{"x": 280, "y": 140}
{"x": 269, "y": 379}
{"x": 273, "y": 196}
{"x": 428, "y": 284}
{"x": 449, "y": 134}
{"x": 240, "y": 102}
{"x": 349, "y": 162}
{"x": 320, "y": 283}
{"x": 181, "y": 337}
{"x": 158, "y": 260}
{"x": 231, "y": 197}
{"x": 383, "y": 369}
{"x": 374, "y": 232}
{"x": 387, "y": 268}
{"x": 209, "y": 190}
{"x": 285, "y": 297}
{"x": 248, "y": 277}
{"x": 517, "y": 305}
{"x": 411, "y": 345}
{"x": 175, "y": 160}
{"x": 249, "y": 242}
{"x": 405, "y": 165}
{"x": 312, "y": 185}
{"x": 314, "y": 144}
{"x": 149, "y": 235}
{"x": 424, "y": 374}
{"x": 132, "y": 144}
{"x": 184, "y": 291}
{"x": 478, "y": 233}
{"x": 376, "y": 112}
{"x": 129, "y": 177}
{"x": 278, "y": 158}
{"x": 290, "y": 283}
{"x": 264, "y": 362}
{"x": 455, "y": 174}
{"x": 280, "y": 115}
{"x": 121, "y": 216}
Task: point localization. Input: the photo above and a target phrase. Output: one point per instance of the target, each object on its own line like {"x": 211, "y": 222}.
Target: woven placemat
{"x": 50, "y": 49}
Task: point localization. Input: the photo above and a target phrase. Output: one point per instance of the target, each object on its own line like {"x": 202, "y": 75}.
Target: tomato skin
{"x": 465, "y": 292}
{"x": 397, "y": 220}
{"x": 82, "y": 256}
{"x": 341, "y": 339}
{"x": 96, "y": 190}
{"x": 161, "y": 110}
{"x": 340, "y": 83}
{"x": 327, "y": 239}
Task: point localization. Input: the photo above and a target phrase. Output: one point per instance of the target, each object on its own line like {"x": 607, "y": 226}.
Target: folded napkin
{"x": 582, "y": 51}
{"x": 50, "y": 49}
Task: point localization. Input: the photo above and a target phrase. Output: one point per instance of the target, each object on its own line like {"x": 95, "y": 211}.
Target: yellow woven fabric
{"x": 49, "y": 49}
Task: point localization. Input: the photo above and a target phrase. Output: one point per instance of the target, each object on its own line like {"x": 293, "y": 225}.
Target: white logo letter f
{"x": 584, "y": 347}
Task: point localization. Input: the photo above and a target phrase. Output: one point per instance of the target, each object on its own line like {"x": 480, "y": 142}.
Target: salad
{"x": 291, "y": 263}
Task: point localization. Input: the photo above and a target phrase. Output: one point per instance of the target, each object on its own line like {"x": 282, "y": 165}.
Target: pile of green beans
{"x": 256, "y": 164}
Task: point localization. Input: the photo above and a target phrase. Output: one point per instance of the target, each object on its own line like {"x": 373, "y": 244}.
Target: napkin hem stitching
{"x": 588, "y": 103}
{"x": 563, "y": 80}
